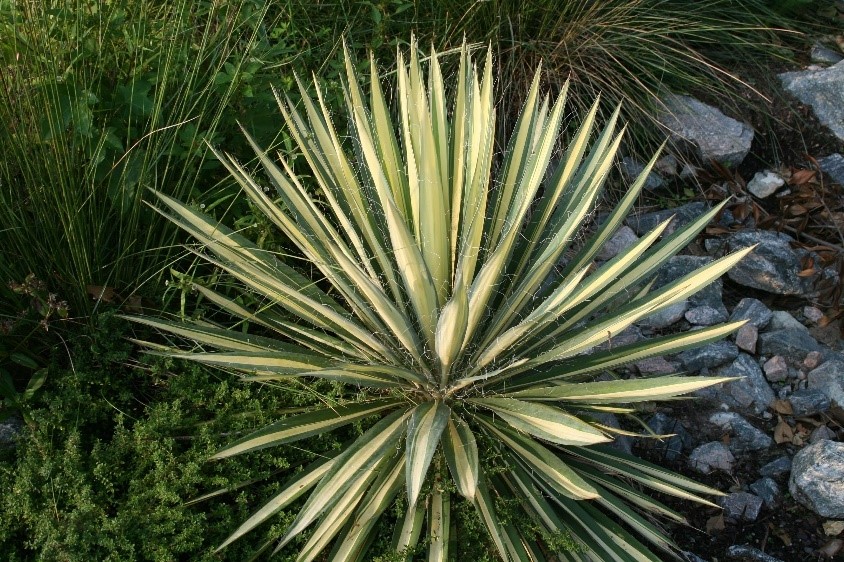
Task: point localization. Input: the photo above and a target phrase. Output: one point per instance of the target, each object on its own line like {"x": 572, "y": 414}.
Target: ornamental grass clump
{"x": 451, "y": 293}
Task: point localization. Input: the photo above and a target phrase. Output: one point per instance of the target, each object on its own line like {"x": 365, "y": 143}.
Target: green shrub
{"x": 430, "y": 292}
{"x": 114, "y": 453}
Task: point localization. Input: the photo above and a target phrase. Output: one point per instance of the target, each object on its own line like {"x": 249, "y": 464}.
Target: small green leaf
{"x": 35, "y": 382}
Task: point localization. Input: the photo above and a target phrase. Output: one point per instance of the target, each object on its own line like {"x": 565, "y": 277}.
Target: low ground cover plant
{"x": 451, "y": 296}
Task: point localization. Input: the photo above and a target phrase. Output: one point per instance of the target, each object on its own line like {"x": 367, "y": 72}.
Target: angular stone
{"x": 764, "y": 184}
{"x": 776, "y": 468}
{"x": 621, "y": 443}
{"x": 670, "y": 447}
{"x": 817, "y": 478}
{"x": 773, "y": 266}
{"x": 794, "y": 344}
{"x": 752, "y": 310}
{"x": 829, "y": 379}
{"x": 631, "y": 168}
{"x": 824, "y": 55}
{"x": 747, "y": 553}
{"x": 776, "y": 369}
{"x": 666, "y": 317}
{"x": 655, "y": 366}
{"x": 746, "y": 338}
{"x": 821, "y": 433}
{"x": 711, "y": 456}
{"x": 667, "y": 165}
{"x": 812, "y": 360}
{"x": 708, "y": 356}
{"x": 808, "y": 402}
{"x": 741, "y": 506}
{"x": 629, "y": 335}
{"x": 833, "y": 166}
{"x": 782, "y": 320}
{"x": 750, "y": 392}
{"x": 623, "y": 238}
{"x": 813, "y": 314}
{"x": 767, "y": 489}
{"x": 822, "y": 89}
{"x": 10, "y": 428}
{"x": 704, "y": 316}
{"x": 714, "y": 135}
{"x": 744, "y": 437}
{"x": 642, "y": 224}
{"x": 680, "y": 266}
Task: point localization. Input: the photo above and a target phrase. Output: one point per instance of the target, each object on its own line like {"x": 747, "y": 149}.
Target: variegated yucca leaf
{"x": 454, "y": 296}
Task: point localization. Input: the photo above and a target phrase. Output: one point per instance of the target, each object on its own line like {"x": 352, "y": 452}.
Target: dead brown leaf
{"x": 783, "y": 432}
{"x": 780, "y": 533}
{"x": 99, "y": 292}
{"x": 715, "y": 523}
{"x": 796, "y": 210}
{"x": 832, "y": 528}
{"x": 831, "y": 548}
{"x": 799, "y": 177}
{"x": 133, "y": 304}
{"x": 783, "y": 407}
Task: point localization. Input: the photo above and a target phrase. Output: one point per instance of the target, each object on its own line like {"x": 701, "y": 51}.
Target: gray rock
{"x": 708, "y": 356}
{"x": 632, "y": 168}
{"x": 741, "y": 506}
{"x": 10, "y": 428}
{"x": 773, "y": 266}
{"x": 621, "y": 443}
{"x": 794, "y": 344}
{"x": 680, "y": 266}
{"x": 823, "y": 90}
{"x": 665, "y": 317}
{"x": 824, "y": 55}
{"x": 630, "y": 334}
{"x": 667, "y": 165}
{"x": 713, "y": 135}
{"x": 642, "y": 224}
{"x": 767, "y": 489}
{"x": 782, "y": 320}
{"x": 752, "y": 310}
{"x": 812, "y": 360}
{"x": 746, "y": 338}
{"x": 746, "y": 553}
{"x": 705, "y": 316}
{"x": 776, "y": 369}
{"x": 621, "y": 240}
{"x": 764, "y": 184}
{"x": 751, "y": 392}
{"x": 817, "y": 478}
{"x": 813, "y": 314}
{"x": 821, "y": 433}
{"x": 776, "y": 468}
{"x": 829, "y": 379}
{"x": 670, "y": 447}
{"x": 711, "y": 456}
{"x": 745, "y": 437}
{"x": 655, "y": 366}
{"x": 808, "y": 402}
{"x": 833, "y": 166}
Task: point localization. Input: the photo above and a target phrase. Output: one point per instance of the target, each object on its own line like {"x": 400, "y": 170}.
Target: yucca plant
{"x": 459, "y": 308}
